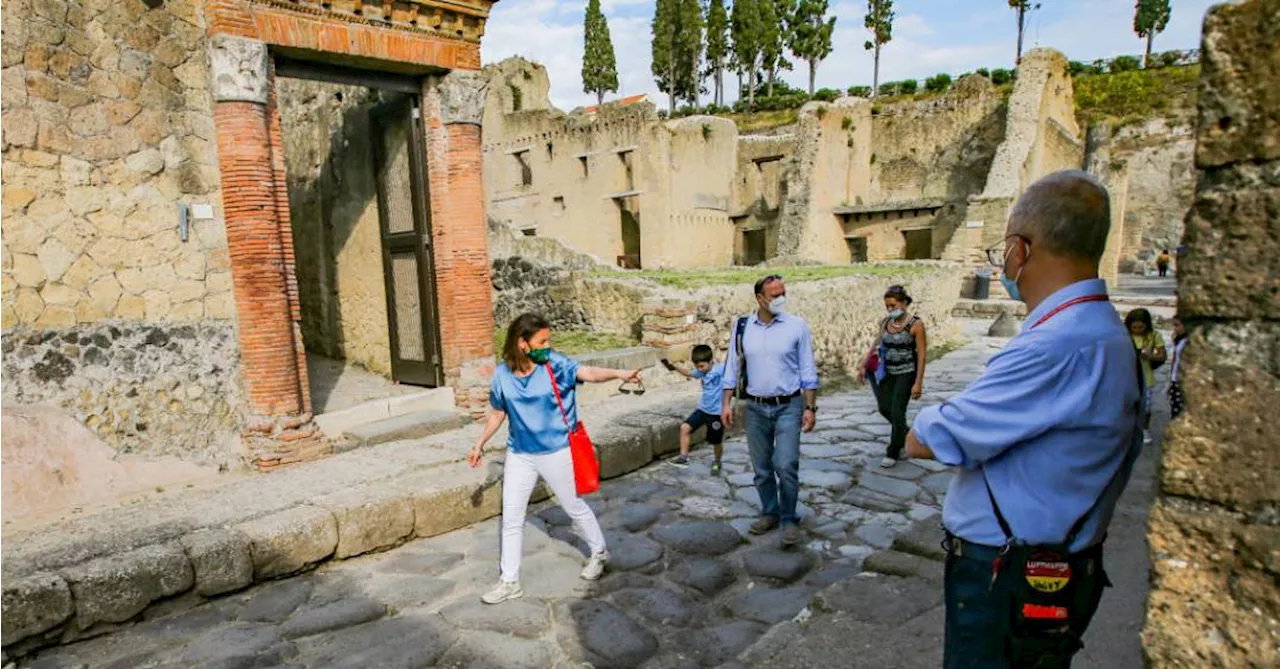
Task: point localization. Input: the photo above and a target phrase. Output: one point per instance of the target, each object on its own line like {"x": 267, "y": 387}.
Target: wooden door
{"x": 404, "y": 215}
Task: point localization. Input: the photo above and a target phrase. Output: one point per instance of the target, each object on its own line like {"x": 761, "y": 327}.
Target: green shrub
{"x": 1136, "y": 94}
{"x": 826, "y": 95}
{"x": 938, "y": 83}
{"x": 983, "y": 71}
{"x": 908, "y": 86}
{"x": 1123, "y": 64}
{"x": 860, "y": 91}
{"x": 1078, "y": 68}
{"x": 1001, "y": 75}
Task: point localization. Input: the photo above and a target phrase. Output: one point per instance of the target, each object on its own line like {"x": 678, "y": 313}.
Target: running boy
{"x": 706, "y": 369}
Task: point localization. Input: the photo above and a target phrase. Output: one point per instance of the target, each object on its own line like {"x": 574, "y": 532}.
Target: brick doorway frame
{"x": 438, "y": 41}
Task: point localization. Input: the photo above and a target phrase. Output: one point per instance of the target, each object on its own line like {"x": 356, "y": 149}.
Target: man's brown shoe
{"x": 764, "y": 524}
{"x": 791, "y": 536}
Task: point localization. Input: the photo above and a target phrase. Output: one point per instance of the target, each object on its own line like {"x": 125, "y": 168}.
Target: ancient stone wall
{"x": 581, "y": 177}
{"x": 1159, "y": 158}
{"x": 937, "y": 148}
{"x": 1213, "y": 531}
{"x": 107, "y": 127}
{"x": 759, "y": 189}
{"x": 334, "y": 213}
{"x": 833, "y": 150}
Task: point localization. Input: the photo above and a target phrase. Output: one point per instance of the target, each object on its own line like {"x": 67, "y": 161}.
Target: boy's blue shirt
{"x": 712, "y": 394}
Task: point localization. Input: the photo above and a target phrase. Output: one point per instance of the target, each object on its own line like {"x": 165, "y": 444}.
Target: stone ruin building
{"x": 198, "y": 196}
{"x": 850, "y": 181}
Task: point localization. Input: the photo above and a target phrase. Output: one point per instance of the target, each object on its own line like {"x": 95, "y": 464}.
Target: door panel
{"x": 404, "y": 214}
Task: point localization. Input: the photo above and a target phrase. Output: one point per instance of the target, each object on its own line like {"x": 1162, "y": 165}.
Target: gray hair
{"x": 1067, "y": 212}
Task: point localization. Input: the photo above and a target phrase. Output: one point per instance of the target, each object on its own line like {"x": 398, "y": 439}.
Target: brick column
{"x": 453, "y": 106}
{"x": 278, "y": 426}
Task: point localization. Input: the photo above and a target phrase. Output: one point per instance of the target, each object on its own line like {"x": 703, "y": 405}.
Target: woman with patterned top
{"x": 898, "y": 378}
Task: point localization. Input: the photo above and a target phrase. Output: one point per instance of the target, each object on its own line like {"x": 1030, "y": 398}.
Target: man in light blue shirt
{"x": 1049, "y": 432}
{"x": 781, "y": 389}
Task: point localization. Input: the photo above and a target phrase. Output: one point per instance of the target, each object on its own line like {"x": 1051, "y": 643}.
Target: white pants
{"x": 519, "y": 478}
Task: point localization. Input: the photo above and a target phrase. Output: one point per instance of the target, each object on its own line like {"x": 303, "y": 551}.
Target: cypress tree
{"x": 745, "y": 23}
{"x": 665, "y": 49}
{"x": 775, "y": 19}
{"x": 599, "y": 66}
{"x": 689, "y": 62}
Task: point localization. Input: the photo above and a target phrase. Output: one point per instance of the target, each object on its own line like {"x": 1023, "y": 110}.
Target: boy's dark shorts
{"x": 715, "y": 428}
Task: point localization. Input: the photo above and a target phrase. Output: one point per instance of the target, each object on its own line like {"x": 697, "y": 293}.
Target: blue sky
{"x": 929, "y": 36}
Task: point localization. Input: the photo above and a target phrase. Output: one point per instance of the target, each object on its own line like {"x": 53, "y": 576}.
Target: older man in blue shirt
{"x": 781, "y": 393}
{"x": 1044, "y": 440}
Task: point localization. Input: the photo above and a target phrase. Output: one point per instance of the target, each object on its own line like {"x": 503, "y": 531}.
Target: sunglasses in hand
{"x": 629, "y": 388}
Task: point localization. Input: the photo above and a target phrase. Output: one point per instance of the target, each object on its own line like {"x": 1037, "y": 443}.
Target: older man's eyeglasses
{"x": 996, "y": 254}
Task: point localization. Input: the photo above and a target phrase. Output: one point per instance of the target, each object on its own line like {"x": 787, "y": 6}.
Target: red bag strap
{"x": 555, "y": 388}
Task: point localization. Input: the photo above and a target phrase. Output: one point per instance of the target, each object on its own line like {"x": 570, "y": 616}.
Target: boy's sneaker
{"x": 1146, "y": 437}
{"x": 595, "y": 566}
{"x": 505, "y": 590}
{"x": 888, "y": 462}
{"x": 680, "y": 461}
{"x": 715, "y": 468}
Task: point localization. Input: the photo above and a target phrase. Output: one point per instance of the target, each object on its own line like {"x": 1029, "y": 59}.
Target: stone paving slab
{"x": 65, "y": 577}
{"x": 684, "y": 589}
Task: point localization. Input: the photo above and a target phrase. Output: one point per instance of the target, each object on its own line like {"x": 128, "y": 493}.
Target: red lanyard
{"x": 1069, "y": 303}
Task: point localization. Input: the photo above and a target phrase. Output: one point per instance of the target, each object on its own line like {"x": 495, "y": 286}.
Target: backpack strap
{"x": 740, "y": 332}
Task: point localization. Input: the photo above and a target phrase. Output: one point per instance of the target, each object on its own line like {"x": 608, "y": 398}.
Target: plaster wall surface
{"x": 1159, "y": 155}
{"x": 328, "y": 142}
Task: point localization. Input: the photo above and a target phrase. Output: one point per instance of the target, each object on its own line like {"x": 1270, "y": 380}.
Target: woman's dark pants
{"x": 892, "y": 396}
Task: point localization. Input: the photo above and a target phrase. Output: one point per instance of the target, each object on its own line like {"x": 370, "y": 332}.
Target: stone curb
{"x": 74, "y": 586}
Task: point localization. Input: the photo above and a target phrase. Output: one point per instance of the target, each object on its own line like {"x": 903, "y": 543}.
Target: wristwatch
{"x": 813, "y": 408}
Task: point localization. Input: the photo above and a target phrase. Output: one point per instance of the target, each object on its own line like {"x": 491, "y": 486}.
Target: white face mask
{"x": 896, "y": 314}
{"x": 778, "y": 304}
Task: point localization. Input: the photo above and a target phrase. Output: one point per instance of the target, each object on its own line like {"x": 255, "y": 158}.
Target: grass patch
{"x": 693, "y": 279}
{"x": 938, "y": 350}
{"x": 764, "y": 120}
{"x": 1126, "y": 97}
{"x": 574, "y": 342}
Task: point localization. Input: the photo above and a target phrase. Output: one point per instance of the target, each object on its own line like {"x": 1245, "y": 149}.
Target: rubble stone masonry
{"x": 1215, "y": 528}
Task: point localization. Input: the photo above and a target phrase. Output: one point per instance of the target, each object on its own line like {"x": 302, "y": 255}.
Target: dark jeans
{"x": 892, "y": 396}
{"x": 979, "y": 612}
{"x": 773, "y": 438}
{"x": 1162, "y": 269}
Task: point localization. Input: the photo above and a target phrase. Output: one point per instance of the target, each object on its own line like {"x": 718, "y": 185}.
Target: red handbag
{"x": 586, "y": 468}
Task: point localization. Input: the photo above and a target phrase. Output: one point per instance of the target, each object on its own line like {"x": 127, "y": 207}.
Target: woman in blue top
{"x": 538, "y": 441}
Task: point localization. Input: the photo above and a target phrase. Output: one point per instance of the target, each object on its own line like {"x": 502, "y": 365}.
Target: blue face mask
{"x": 896, "y": 314}
{"x": 1011, "y": 285}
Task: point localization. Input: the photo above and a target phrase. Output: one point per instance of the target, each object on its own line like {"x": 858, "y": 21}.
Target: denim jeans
{"x": 773, "y": 437}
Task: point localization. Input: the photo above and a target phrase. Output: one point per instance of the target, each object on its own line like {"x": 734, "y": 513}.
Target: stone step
{"x": 334, "y": 424}
{"x": 414, "y": 425}
{"x": 897, "y": 563}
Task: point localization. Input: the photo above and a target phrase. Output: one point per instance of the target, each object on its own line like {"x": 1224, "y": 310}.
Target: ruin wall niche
{"x": 106, "y": 312}
{"x": 1159, "y": 156}
{"x": 554, "y": 175}
{"x": 697, "y": 159}
{"x": 760, "y": 185}
{"x": 830, "y": 169}
{"x": 334, "y": 214}
{"x": 938, "y": 148}
{"x": 1213, "y": 528}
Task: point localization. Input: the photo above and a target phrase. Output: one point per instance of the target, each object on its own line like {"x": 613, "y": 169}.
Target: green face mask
{"x": 540, "y": 355}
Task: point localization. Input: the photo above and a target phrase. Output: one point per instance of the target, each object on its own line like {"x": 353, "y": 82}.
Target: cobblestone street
{"x": 688, "y": 586}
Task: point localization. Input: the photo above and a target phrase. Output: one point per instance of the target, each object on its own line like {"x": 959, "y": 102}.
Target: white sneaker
{"x": 505, "y": 590}
{"x": 595, "y": 566}
{"x": 888, "y": 463}
{"x": 1146, "y": 437}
